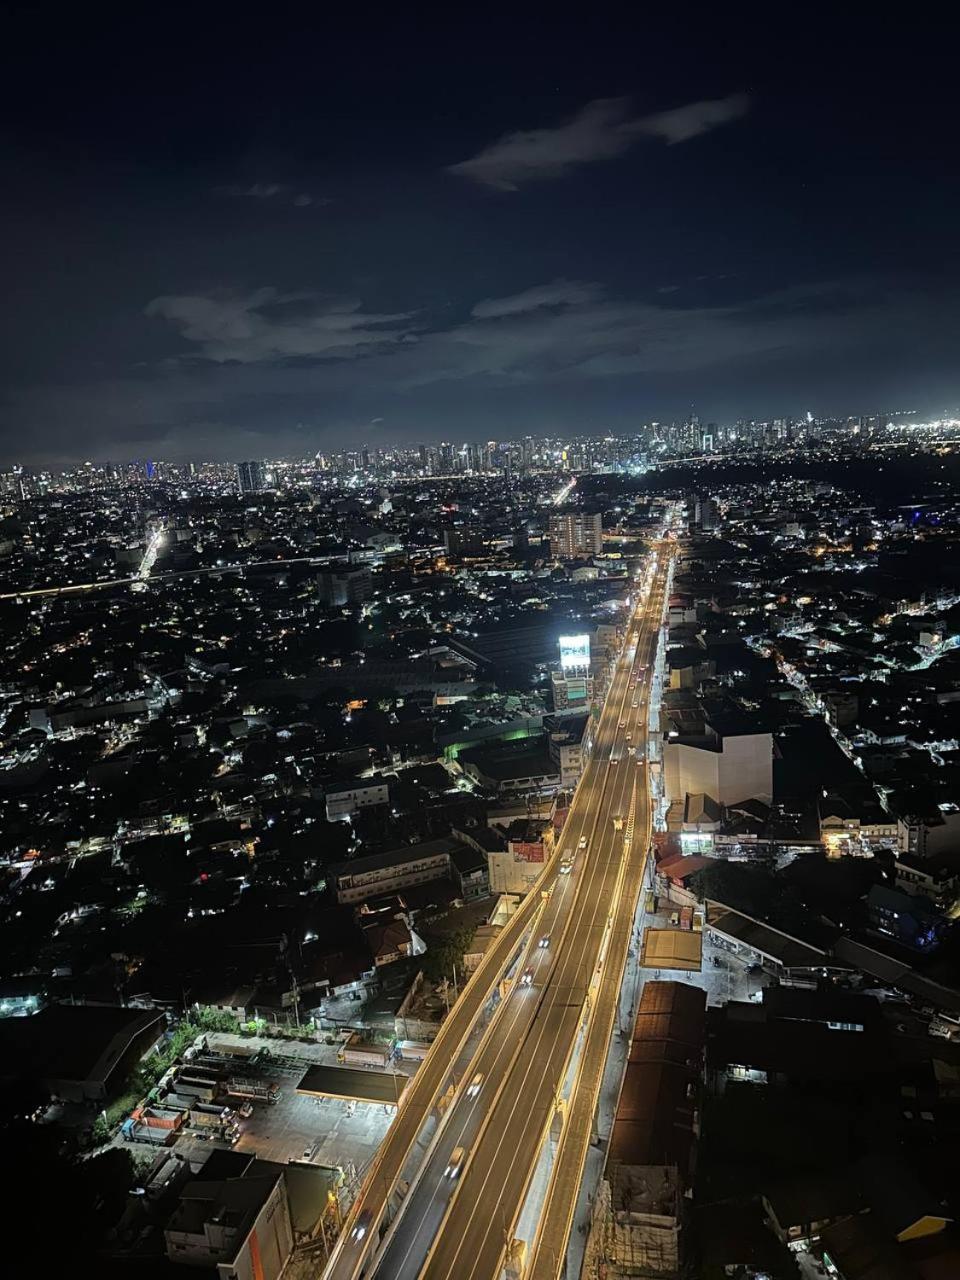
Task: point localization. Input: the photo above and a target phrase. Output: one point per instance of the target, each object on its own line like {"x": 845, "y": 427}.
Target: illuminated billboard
{"x": 574, "y": 653}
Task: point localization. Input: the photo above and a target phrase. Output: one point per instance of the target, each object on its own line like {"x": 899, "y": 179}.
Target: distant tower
{"x": 250, "y": 477}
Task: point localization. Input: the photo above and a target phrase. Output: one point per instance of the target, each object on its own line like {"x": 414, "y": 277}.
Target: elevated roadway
{"x": 458, "y": 1228}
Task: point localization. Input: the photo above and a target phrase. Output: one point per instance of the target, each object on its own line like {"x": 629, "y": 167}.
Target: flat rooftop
{"x": 353, "y": 1084}
{"x": 672, "y": 949}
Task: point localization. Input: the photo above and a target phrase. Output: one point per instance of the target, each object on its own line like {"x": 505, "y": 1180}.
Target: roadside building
{"x": 530, "y": 842}
{"x": 651, "y": 1155}
{"x": 567, "y": 745}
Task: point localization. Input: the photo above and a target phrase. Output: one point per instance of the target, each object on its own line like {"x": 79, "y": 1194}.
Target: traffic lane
{"x": 624, "y": 785}
{"x": 544, "y": 1065}
{"x": 501, "y": 1172}
{"x": 620, "y": 688}
{"x": 394, "y": 1153}
{"x": 425, "y": 1211}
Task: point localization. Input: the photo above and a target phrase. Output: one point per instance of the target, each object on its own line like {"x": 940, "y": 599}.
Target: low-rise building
{"x": 363, "y": 878}
{"x": 240, "y": 1225}
{"x": 567, "y": 739}
{"x": 530, "y": 842}
{"x": 344, "y": 799}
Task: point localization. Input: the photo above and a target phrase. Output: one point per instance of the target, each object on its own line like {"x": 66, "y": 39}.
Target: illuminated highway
{"x": 457, "y": 1227}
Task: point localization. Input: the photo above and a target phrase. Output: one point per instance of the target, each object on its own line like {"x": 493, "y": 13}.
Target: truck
{"x": 180, "y": 1102}
{"x": 255, "y": 1090}
{"x": 204, "y": 1090}
{"x": 222, "y": 1120}
{"x": 413, "y": 1050}
{"x": 356, "y": 1053}
{"x": 133, "y": 1131}
{"x": 158, "y": 1117}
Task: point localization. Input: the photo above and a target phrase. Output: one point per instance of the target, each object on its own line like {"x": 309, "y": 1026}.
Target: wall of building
{"x": 742, "y": 770}
{"x": 368, "y": 884}
{"x": 512, "y": 874}
{"x": 341, "y": 804}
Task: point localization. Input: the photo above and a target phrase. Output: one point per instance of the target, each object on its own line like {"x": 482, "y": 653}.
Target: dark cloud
{"x": 601, "y": 130}
{"x": 262, "y": 326}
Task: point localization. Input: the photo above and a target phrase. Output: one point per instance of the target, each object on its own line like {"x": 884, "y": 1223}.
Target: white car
{"x": 583, "y": 842}
{"x": 526, "y": 978}
{"x": 456, "y": 1162}
{"x": 362, "y": 1225}
{"x": 473, "y": 1088}
{"x": 544, "y": 942}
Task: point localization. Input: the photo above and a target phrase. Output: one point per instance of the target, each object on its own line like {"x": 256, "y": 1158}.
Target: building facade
{"x": 574, "y": 534}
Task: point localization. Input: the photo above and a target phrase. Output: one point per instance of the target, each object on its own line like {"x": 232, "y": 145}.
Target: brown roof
{"x": 656, "y": 1115}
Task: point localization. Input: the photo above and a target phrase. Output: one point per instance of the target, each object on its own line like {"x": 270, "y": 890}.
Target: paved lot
{"x": 319, "y": 1129}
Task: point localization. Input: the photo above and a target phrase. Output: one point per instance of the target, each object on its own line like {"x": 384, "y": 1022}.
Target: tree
{"x": 445, "y": 952}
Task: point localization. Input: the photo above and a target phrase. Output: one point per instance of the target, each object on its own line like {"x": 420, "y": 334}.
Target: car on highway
{"x": 526, "y": 978}
{"x": 629, "y": 737}
{"x": 362, "y": 1225}
{"x": 636, "y": 703}
{"x": 544, "y": 941}
{"x": 614, "y": 758}
{"x": 583, "y": 842}
{"x": 566, "y": 864}
{"x": 456, "y": 1162}
{"x": 622, "y": 724}
{"x": 473, "y": 1088}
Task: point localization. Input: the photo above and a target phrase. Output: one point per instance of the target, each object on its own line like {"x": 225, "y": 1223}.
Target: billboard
{"x": 574, "y": 653}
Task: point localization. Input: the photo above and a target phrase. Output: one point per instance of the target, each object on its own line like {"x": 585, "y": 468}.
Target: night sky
{"x": 226, "y": 236}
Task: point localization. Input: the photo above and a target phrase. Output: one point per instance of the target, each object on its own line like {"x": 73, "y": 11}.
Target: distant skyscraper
{"x": 527, "y": 452}
{"x": 446, "y": 458}
{"x": 706, "y": 514}
{"x": 576, "y": 533}
{"x": 250, "y": 477}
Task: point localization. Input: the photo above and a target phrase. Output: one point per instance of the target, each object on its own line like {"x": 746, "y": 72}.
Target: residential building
{"x": 344, "y": 799}
{"x": 567, "y": 745}
{"x": 576, "y": 534}
{"x": 345, "y": 586}
{"x": 364, "y": 878}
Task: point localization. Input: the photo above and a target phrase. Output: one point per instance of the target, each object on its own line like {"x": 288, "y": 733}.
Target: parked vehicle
{"x": 255, "y": 1090}
{"x": 413, "y": 1050}
{"x": 133, "y": 1131}
{"x": 358, "y": 1054}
